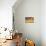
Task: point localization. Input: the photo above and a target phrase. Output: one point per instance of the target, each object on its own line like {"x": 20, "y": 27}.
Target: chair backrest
{"x": 18, "y": 39}
{"x": 29, "y": 43}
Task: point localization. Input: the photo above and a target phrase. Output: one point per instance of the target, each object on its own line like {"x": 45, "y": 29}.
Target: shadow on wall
{"x": 28, "y": 8}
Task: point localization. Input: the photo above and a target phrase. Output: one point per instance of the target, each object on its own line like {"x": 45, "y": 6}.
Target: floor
{"x": 9, "y": 43}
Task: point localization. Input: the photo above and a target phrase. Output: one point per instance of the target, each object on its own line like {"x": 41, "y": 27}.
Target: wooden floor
{"x": 9, "y": 43}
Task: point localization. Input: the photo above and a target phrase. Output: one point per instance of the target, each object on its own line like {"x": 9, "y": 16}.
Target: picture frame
{"x": 29, "y": 19}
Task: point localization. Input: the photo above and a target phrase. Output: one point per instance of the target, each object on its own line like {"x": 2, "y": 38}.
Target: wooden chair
{"x": 18, "y": 39}
{"x": 29, "y": 43}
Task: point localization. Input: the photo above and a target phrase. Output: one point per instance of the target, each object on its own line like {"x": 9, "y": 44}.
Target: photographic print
{"x": 29, "y": 19}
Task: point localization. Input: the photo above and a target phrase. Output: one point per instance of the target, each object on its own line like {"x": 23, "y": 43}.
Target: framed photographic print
{"x": 29, "y": 19}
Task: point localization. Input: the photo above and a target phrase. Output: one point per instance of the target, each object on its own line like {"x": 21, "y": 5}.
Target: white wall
{"x": 43, "y": 22}
{"x": 25, "y": 9}
{"x": 6, "y": 13}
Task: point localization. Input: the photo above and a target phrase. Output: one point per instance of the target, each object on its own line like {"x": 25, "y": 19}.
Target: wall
{"x": 43, "y": 22}
{"x": 30, "y": 30}
{"x": 6, "y": 13}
